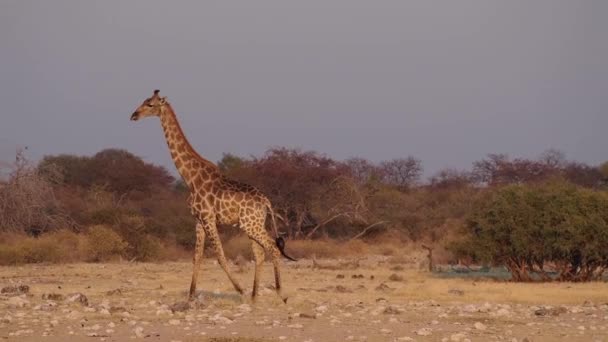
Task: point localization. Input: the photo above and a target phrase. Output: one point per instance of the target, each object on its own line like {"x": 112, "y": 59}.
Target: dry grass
{"x": 241, "y": 245}
{"x": 64, "y": 246}
{"x": 61, "y": 246}
{"x": 422, "y": 286}
{"x": 232, "y": 339}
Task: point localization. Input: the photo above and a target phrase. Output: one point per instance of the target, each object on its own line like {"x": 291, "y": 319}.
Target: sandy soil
{"x": 375, "y": 299}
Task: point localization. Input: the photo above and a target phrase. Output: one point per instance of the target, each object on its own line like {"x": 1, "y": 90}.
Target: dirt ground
{"x": 374, "y": 299}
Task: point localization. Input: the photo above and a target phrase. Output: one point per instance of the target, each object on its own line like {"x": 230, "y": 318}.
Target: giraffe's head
{"x": 153, "y": 106}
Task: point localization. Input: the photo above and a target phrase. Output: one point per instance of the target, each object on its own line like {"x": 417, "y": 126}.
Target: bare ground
{"x": 370, "y": 300}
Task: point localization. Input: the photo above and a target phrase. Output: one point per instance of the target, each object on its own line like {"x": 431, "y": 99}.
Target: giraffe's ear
{"x": 163, "y": 100}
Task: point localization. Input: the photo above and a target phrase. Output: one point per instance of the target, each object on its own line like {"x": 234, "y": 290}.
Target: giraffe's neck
{"x": 188, "y": 162}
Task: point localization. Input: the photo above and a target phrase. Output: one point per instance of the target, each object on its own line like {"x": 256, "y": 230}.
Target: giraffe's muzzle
{"x": 134, "y": 116}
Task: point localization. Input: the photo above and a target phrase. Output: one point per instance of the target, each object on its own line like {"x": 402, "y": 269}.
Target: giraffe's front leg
{"x": 198, "y": 256}
{"x": 214, "y": 240}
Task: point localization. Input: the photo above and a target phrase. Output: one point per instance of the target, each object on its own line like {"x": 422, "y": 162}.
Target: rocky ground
{"x": 372, "y": 299}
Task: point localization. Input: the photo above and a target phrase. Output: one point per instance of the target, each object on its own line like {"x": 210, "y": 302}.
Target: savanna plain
{"x": 360, "y": 298}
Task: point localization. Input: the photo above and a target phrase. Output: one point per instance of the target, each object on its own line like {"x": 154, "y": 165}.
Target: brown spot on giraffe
{"x": 214, "y": 200}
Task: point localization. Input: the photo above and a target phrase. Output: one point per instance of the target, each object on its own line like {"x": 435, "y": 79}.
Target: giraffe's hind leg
{"x": 198, "y": 256}
{"x": 256, "y": 232}
{"x": 259, "y": 255}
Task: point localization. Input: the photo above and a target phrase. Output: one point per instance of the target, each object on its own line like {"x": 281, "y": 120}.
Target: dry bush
{"x": 241, "y": 245}
{"x": 60, "y": 246}
{"x": 99, "y": 243}
{"x": 238, "y": 245}
{"x": 27, "y": 201}
{"x": 389, "y": 242}
{"x": 104, "y": 244}
{"x": 173, "y": 252}
{"x": 149, "y": 248}
{"x": 325, "y": 248}
{"x": 73, "y": 246}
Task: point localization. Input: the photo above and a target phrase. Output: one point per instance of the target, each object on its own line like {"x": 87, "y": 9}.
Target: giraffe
{"x": 215, "y": 199}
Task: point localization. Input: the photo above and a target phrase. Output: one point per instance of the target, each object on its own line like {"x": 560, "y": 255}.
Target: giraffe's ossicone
{"x": 216, "y": 200}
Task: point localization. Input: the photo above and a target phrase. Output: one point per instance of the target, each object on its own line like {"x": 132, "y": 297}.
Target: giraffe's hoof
{"x": 284, "y": 299}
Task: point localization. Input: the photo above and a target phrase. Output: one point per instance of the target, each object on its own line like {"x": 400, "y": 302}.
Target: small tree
{"x": 402, "y": 172}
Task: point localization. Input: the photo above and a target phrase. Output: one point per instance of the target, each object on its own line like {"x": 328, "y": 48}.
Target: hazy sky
{"x": 445, "y": 81}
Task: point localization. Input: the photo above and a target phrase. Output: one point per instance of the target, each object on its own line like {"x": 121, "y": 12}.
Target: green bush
{"x": 532, "y": 228}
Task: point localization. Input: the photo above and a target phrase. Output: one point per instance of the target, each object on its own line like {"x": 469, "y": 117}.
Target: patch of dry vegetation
{"x": 423, "y": 286}
{"x": 99, "y": 243}
{"x": 240, "y": 245}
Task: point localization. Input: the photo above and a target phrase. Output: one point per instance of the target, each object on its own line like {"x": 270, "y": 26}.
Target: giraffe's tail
{"x": 281, "y": 246}
{"x": 279, "y": 239}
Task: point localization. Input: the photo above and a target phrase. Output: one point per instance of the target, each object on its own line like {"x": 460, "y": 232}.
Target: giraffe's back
{"x": 237, "y": 202}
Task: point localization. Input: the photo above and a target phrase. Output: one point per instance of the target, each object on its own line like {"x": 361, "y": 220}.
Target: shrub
{"x": 148, "y": 248}
{"x": 238, "y": 245}
{"x": 104, "y": 243}
{"x": 528, "y": 228}
{"x": 60, "y": 246}
{"x": 27, "y": 201}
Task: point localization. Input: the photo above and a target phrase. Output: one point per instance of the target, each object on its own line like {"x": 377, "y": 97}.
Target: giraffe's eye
{"x": 149, "y": 105}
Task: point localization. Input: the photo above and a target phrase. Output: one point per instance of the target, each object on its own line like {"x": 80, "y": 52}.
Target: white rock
{"x": 139, "y": 332}
{"x": 105, "y": 304}
{"x": 296, "y": 326}
{"x": 470, "y": 308}
{"x": 502, "y": 312}
{"x": 576, "y": 309}
{"x": 74, "y": 315}
{"x": 245, "y": 307}
{"x": 405, "y": 338}
{"x": 457, "y": 337}
{"x": 424, "y": 332}
{"x": 174, "y": 322}
{"x": 164, "y": 312}
{"x": 221, "y": 319}
{"x": 321, "y": 308}
{"x": 17, "y": 302}
{"x": 479, "y": 326}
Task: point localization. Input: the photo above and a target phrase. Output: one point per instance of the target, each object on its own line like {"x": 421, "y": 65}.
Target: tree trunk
{"x": 430, "y": 256}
